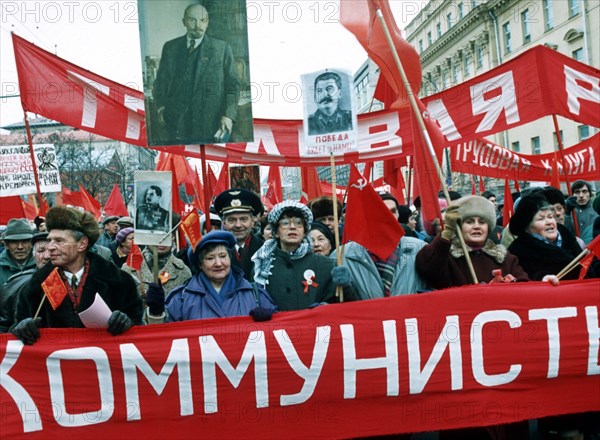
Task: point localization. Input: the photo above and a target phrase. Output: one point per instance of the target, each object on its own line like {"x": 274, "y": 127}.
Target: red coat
{"x": 442, "y": 264}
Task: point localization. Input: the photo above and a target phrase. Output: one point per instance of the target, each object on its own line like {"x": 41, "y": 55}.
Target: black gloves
{"x": 119, "y": 323}
{"x": 260, "y": 314}
{"x": 27, "y": 330}
{"x": 340, "y": 276}
{"x": 570, "y": 204}
{"x": 155, "y": 299}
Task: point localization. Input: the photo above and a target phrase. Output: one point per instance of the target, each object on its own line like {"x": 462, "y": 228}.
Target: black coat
{"x": 539, "y": 258}
{"x": 245, "y": 262}
{"x": 116, "y": 288}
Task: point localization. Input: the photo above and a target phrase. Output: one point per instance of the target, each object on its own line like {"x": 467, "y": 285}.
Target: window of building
{"x": 516, "y": 146}
{"x": 479, "y": 53}
{"x": 584, "y": 132}
{"x": 467, "y": 64}
{"x": 449, "y": 20}
{"x": 420, "y": 46}
{"x": 473, "y": 4}
{"x": 526, "y": 27}
{"x": 461, "y": 11}
{"x": 506, "y": 33}
{"x": 444, "y": 79}
{"x": 573, "y": 7}
{"x": 536, "y": 147}
{"x": 562, "y": 138}
{"x": 429, "y": 39}
{"x": 438, "y": 28}
{"x": 577, "y": 54}
{"x": 455, "y": 69}
{"x": 548, "y": 14}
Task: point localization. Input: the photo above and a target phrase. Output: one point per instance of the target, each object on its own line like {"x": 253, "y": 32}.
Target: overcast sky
{"x": 287, "y": 39}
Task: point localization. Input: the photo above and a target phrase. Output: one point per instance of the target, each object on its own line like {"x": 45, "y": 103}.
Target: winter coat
{"x": 114, "y": 286}
{"x": 286, "y": 283}
{"x": 245, "y": 262}
{"x": 539, "y": 258}
{"x": 9, "y": 293}
{"x": 365, "y": 276}
{"x": 442, "y": 264}
{"x": 585, "y": 219}
{"x": 8, "y": 267}
{"x": 192, "y": 301}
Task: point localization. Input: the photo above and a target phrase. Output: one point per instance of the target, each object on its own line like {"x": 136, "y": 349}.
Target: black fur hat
{"x": 323, "y": 206}
{"x": 62, "y": 217}
{"x": 526, "y": 209}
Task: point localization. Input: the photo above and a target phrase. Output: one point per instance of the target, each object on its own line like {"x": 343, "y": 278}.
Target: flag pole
{"x": 419, "y": 117}
{"x": 336, "y": 230}
{"x": 207, "y": 196}
{"x": 37, "y": 312}
{"x": 562, "y": 160}
{"x": 33, "y": 163}
{"x": 409, "y": 181}
{"x": 573, "y": 264}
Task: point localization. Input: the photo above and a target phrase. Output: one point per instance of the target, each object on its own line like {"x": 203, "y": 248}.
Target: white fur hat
{"x": 476, "y": 206}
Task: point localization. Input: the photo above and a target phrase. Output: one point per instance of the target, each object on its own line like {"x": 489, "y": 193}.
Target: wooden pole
{"x": 336, "y": 230}
{"x": 207, "y": 195}
{"x": 32, "y": 154}
{"x": 562, "y": 159}
{"x": 573, "y": 264}
{"x": 415, "y": 108}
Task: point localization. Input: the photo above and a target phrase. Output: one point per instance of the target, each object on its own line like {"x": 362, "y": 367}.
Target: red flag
{"x": 198, "y": 192}
{"x": 368, "y": 219}
{"x": 180, "y": 166}
{"x": 54, "y": 288}
{"x": 115, "y": 205}
{"x": 508, "y": 209}
{"x": 594, "y": 248}
{"x": 72, "y": 198}
{"x": 555, "y": 178}
{"x": 43, "y": 208}
{"x": 481, "y": 185}
{"x": 190, "y": 224}
{"x": 517, "y": 187}
{"x": 11, "y": 208}
{"x": 359, "y": 17}
{"x": 177, "y": 205}
{"x": 90, "y": 204}
{"x": 473, "y": 189}
{"x": 223, "y": 182}
{"x": 80, "y": 98}
{"x": 275, "y": 191}
{"x": 311, "y": 185}
{"x": 135, "y": 258}
{"x": 367, "y": 170}
{"x": 29, "y": 210}
{"x": 212, "y": 182}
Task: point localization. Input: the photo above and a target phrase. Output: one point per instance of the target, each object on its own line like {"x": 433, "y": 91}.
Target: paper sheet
{"x": 97, "y": 315}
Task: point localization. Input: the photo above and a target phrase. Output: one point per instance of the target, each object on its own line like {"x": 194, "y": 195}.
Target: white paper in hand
{"x": 96, "y": 315}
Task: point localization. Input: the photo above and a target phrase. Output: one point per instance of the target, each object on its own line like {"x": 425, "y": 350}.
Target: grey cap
{"x": 18, "y": 229}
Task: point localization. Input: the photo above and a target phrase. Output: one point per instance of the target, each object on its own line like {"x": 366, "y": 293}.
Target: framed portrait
{"x": 196, "y": 73}
{"x": 153, "y": 212}
{"x": 245, "y": 176}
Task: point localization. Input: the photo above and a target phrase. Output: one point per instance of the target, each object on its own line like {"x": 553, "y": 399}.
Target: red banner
{"x": 483, "y": 158}
{"x": 439, "y": 360}
{"x": 64, "y": 92}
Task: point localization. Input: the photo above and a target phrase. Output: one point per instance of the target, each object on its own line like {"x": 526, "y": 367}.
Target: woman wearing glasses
{"x": 296, "y": 277}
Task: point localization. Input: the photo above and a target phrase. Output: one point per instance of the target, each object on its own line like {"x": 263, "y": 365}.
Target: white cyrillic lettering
{"x": 90, "y": 100}
{"x": 134, "y": 119}
{"x": 438, "y": 111}
{"x": 492, "y": 108}
{"x": 263, "y": 137}
{"x": 575, "y": 91}
{"x": 591, "y": 317}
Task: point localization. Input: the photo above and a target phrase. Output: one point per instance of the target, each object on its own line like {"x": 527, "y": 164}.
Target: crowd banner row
{"x": 438, "y": 360}
{"x": 538, "y": 83}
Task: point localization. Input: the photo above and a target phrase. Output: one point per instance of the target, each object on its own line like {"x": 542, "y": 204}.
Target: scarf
{"x": 162, "y": 259}
{"x": 264, "y": 256}
{"x": 557, "y": 242}
{"x": 496, "y": 251}
{"x": 227, "y": 287}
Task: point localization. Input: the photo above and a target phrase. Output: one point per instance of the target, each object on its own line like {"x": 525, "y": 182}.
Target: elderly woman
{"x": 286, "y": 265}
{"x": 121, "y": 247}
{"x": 442, "y": 263}
{"x": 543, "y": 246}
{"x": 322, "y": 239}
{"x": 217, "y": 290}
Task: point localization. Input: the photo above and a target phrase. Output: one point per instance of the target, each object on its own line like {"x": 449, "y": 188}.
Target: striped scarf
{"x": 386, "y": 269}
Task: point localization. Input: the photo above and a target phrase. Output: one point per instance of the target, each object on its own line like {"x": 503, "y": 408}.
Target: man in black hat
{"x": 238, "y": 208}
{"x": 17, "y": 256}
{"x": 110, "y": 231}
{"x": 75, "y": 276}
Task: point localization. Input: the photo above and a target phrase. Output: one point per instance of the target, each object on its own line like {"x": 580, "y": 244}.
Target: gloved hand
{"x": 451, "y": 222}
{"x": 155, "y": 299}
{"x": 260, "y": 314}
{"x": 119, "y": 323}
{"x": 28, "y": 330}
{"x": 570, "y": 204}
{"x": 340, "y": 276}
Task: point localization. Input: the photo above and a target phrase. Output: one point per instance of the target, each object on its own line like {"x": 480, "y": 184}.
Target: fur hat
{"x": 287, "y": 207}
{"x": 477, "y": 206}
{"x": 62, "y": 217}
{"x": 553, "y": 195}
{"x": 123, "y": 233}
{"x": 525, "y": 211}
{"x": 323, "y": 206}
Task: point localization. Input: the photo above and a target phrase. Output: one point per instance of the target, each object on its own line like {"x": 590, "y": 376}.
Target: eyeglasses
{"x": 287, "y": 222}
{"x": 60, "y": 243}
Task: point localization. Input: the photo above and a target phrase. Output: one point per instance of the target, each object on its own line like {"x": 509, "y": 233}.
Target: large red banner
{"x": 484, "y": 158}
{"x": 475, "y": 355}
{"x": 537, "y": 83}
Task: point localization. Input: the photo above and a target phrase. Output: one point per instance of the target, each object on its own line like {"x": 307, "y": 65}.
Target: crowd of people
{"x": 250, "y": 262}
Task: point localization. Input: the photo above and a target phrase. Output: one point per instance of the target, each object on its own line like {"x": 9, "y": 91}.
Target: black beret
{"x": 527, "y": 207}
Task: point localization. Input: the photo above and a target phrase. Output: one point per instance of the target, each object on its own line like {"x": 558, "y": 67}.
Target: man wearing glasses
{"x": 68, "y": 284}
{"x": 239, "y": 208}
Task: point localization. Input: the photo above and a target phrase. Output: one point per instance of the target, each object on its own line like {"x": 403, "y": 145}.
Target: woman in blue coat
{"x": 217, "y": 290}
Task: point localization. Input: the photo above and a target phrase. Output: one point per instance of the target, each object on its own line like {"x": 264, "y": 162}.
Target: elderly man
{"x": 10, "y": 291}
{"x": 322, "y": 210}
{"x": 239, "y": 208}
{"x": 111, "y": 227}
{"x": 328, "y": 118}
{"x": 75, "y": 276}
{"x": 17, "y": 255}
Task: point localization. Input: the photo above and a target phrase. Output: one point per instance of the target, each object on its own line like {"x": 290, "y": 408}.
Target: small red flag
{"x": 135, "y": 258}
{"x": 54, "y": 288}
{"x": 594, "y": 248}
{"x": 508, "y": 210}
{"x": 90, "y": 204}
{"x": 115, "y": 205}
{"x": 311, "y": 185}
{"x": 275, "y": 191}
{"x": 191, "y": 227}
{"x": 368, "y": 219}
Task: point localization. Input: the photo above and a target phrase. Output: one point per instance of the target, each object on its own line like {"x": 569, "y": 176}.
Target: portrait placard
{"x": 245, "y": 176}
{"x": 196, "y": 71}
{"x": 330, "y": 122}
{"x": 153, "y": 215}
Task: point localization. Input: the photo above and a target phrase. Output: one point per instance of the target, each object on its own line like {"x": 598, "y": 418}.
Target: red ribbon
{"x": 309, "y": 283}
